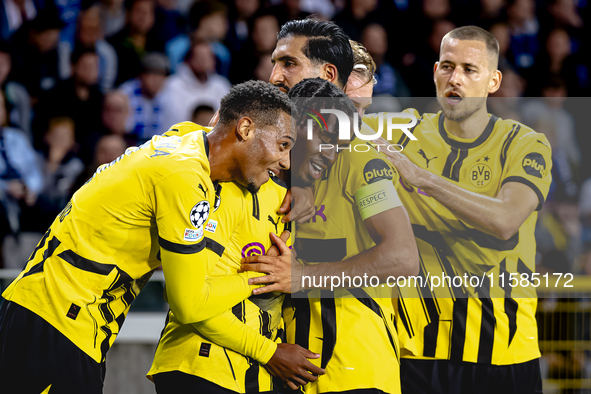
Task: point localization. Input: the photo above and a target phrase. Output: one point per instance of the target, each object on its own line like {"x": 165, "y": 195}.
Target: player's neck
{"x": 469, "y": 128}
{"x": 220, "y": 155}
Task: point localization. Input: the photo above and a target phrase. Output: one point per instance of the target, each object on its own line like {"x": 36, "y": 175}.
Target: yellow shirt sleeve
{"x": 227, "y": 331}
{"x": 529, "y": 162}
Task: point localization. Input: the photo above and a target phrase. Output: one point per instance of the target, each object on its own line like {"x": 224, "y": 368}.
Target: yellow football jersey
{"x": 103, "y": 247}
{"x": 231, "y": 346}
{"x": 493, "y": 324}
{"x": 353, "y": 329}
{"x": 242, "y": 223}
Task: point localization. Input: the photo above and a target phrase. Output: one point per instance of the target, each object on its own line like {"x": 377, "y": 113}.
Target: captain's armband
{"x": 376, "y": 198}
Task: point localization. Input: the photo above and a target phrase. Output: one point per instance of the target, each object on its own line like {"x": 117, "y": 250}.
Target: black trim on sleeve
{"x": 205, "y": 144}
{"x": 86, "y": 265}
{"x": 190, "y": 249}
{"x": 529, "y": 183}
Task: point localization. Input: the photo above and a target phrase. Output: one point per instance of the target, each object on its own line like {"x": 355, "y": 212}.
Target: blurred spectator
{"x": 195, "y": 83}
{"x": 146, "y": 109}
{"x": 202, "y": 115}
{"x": 113, "y": 16}
{"x": 263, "y": 39}
{"x": 208, "y": 22}
{"x": 506, "y": 102}
{"x": 61, "y": 167}
{"x": 551, "y": 109}
{"x": 564, "y": 14}
{"x": 418, "y": 64}
{"x": 113, "y": 121}
{"x": 356, "y": 16}
{"x": 89, "y": 35}
{"x": 107, "y": 148}
{"x": 585, "y": 215}
{"x": 501, "y": 32}
{"x": 549, "y": 62}
{"x": 78, "y": 98}
{"x": 169, "y": 21}
{"x": 135, "y": 39}
{"x": 20, "y": 177}
{"x": 524, "y": 27}
{"x": 14, "y": 13}
{"x": 264, "y": 68}
{"x": 491, "y": 11}
{"x": 17, "y": 97}
{"x": 238, "y": 18}
{"x": 114, "y": 114}
{"x": 301, "y": 9}
{"x": 68, "y": 11}
{"x": 35, "y": 56}
{"x": 389, "y": 81}
{"x": 576, "y": 71}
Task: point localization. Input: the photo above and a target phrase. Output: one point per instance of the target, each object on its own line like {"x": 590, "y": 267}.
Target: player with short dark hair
{"x": 472, "y": 185}
{"x": 146, "y": 208}
{"x": 311, "y": 47}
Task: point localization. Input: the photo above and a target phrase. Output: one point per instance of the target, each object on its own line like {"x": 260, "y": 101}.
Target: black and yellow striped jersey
{"x": 230, "y": 347}
{"x": 494, "y": 324}
{"x": 353, "y": 329}
{"x": 100, "y": 251}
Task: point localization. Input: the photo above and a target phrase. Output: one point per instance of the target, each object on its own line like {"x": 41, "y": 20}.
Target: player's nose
{"x": 284, "y": 162}
{"x": 276, "y": 75}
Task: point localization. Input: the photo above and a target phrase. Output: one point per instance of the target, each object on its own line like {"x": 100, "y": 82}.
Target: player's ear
{"x": 435, "y": 67}
{"x": 245, "y": 129}
{"x": 495, "y": 82}
{"x": 329, "y": 72}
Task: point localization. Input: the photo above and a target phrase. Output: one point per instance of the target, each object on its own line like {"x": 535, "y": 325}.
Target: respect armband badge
{"x": 376, "y": 198}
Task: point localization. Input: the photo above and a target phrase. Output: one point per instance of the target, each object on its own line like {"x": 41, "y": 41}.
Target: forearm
{"x": 227, "y": 331}
{"x": 192, "y": 295}
{"x": 487, "y": 214}
{"x": 380, "y": 261}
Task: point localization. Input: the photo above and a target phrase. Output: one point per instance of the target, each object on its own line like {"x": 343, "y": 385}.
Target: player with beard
{"x": 472, "y": 185}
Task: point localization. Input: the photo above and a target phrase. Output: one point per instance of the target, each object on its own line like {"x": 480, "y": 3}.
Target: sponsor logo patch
{"x": 193, "y": 235}
{"x": 534, "y": 164}
{"x": 211, "y": 226}
{"x": 199, "y": 214}
{"x": 376, "y": 170}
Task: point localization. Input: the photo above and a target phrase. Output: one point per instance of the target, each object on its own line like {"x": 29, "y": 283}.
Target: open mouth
{"x": 453, "y": 98}
{"x": 315, "y": 170}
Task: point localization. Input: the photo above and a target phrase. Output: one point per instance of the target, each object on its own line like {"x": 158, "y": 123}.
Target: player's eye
{"x": 289, "y": 63}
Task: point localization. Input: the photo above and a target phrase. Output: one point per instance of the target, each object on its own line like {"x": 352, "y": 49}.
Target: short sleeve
{"x": 361, "y": 168}
{"x": 529, "y": 162}
{"x": 183, "y": 204}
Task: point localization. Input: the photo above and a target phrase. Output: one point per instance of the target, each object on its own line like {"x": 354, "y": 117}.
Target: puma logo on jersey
{"x": 203, "y": 190}
{"x": 422, "y": 153}
{"x": 274, "y": 223}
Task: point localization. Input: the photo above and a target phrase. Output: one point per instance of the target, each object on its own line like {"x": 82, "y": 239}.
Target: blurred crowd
{"x": 81, "y": 80}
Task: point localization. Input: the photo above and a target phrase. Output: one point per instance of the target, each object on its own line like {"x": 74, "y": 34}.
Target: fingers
{"x": 286, "y": 218}
{"x": 264, "y": 268}
{"x": 267, "y": 289}
{"x": 304, "y": 218}
{"x": 315, "y": 370}
{"x": 285, "y": 236}
{"x": 281, "y": 245}
{"x": 291, "y": 385}
{"x": 308, "y": 354}
{"x": 258, "y": 259}
{"x": 286, "y": 204}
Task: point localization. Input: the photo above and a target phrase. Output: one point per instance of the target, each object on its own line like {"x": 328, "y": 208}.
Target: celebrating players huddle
{"x": 202, "y": 201}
